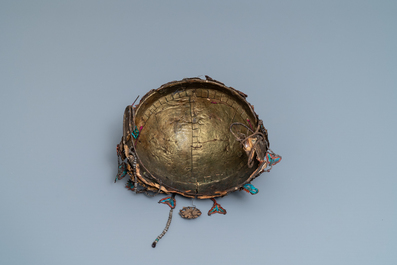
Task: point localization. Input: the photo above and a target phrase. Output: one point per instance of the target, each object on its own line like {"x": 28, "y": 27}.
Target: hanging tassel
{"x": 166, "y": 226}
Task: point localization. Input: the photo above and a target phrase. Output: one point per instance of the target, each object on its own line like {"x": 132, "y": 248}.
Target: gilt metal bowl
{"x": 196, "y": 138}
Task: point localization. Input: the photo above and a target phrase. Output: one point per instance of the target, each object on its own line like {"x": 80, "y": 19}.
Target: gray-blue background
{"x": 321, "y": 74}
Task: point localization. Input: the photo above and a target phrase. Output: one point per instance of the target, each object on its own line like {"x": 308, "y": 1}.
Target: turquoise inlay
{"x": 121, "y": 175}
{"x": 217, "y": 209}
{"x": 169, "y": 200}
{"x": 135, "y": 133}
{"x": 249, "y": 187}
{"x": 130, "y": 185}
{"x": 272, "y": 160}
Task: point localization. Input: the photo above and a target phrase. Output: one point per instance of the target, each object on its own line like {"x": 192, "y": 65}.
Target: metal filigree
{"x": 196, "y": 138}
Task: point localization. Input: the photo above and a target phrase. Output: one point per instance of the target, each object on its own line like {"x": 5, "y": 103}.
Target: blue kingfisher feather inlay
{"x": 170, "y": 201}
{"x": 250, "y": 188}
{"x": 135, "y": 133}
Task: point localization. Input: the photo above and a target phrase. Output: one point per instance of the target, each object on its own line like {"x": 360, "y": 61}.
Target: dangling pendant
{"x": 189, "y": 212}
{"x": 216, "y": 208}
{"x": 170, "y": 201}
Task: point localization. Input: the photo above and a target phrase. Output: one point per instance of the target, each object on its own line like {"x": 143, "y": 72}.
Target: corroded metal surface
{"x": 185, "y": 143}
{"x": 189, "y": 212}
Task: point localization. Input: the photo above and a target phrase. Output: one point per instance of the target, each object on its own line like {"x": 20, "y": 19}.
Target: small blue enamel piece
{"x": 272, "y": 159}
{"x": 122, "y": 172}
{"x": 169, "y": 201}
{"x": 135, "y": 133}
{"x": 130, "y": 185}
{"x": 250, "y": 188}
{"x": 216, "y": 209}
